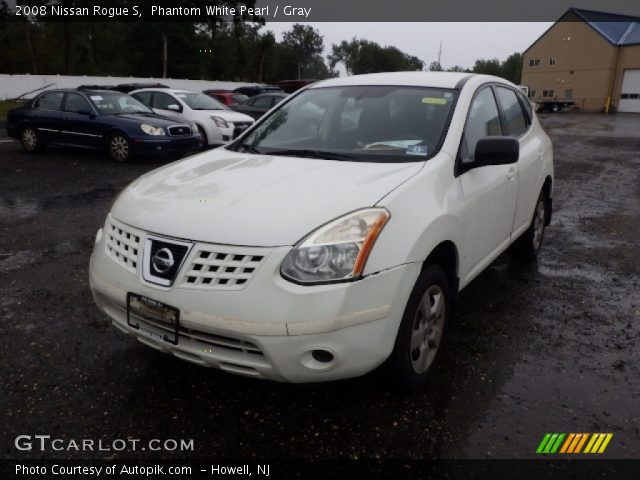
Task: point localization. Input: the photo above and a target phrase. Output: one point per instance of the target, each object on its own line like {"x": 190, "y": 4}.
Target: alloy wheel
{"x": 29, "y": 139}
{"x": 119, "y": 148}
{"x": 428, "y": 327}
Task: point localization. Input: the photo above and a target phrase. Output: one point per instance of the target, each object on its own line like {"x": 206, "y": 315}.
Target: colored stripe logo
{"x": 574, "y": 443}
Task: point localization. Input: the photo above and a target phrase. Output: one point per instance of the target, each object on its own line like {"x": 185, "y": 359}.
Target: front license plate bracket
{"x": 155, "y": 312}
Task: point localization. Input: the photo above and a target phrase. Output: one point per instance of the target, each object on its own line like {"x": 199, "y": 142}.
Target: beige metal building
{"x": 591, "y": 58}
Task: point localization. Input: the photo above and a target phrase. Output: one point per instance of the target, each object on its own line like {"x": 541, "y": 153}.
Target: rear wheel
{"x": 422, "y": 330}
{"x": 30, "y": 140}
{"x": 527, "y": 247}
{"x": 119, "y": 148}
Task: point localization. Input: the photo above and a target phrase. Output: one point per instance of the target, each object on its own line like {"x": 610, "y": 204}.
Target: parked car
{"x": 227, "y": 98}
{"x": 290, "y": 86}
{"x": 215, "y": 122}
{"x": 305, "y": 258}
{"x": 123, "y": 87}
{"x": 253, "y": 90}
{"x": 99, "y": 119}
{"x": 260, "y": 104}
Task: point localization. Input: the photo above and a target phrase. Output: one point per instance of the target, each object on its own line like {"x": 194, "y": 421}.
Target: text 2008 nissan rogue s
{"x": 333, "y": 236}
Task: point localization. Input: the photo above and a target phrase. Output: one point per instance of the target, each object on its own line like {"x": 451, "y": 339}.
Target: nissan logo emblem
{"x": 162, "y": 261}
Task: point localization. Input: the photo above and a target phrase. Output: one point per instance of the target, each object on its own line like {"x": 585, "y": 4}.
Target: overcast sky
{"x": 462, "y": 43}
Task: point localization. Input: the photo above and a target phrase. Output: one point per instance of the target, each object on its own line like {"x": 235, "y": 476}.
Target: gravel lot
{"x": 546, "y": 348}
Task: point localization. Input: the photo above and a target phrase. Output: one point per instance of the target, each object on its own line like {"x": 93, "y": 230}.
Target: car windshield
{"x": 115, "y": 103}
{"x": 358, "y": 123}
{"x": 200, "y": 101}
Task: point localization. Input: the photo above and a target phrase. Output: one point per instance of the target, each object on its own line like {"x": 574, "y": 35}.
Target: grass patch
{"x": 5, "y": 106}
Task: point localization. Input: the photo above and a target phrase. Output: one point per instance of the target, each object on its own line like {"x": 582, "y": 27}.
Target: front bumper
{"x": 147, "y": 146}
{"x": 268, "y": 328}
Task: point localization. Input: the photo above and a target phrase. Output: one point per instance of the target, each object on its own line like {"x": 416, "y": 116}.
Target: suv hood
{"x": 254, "y": 200}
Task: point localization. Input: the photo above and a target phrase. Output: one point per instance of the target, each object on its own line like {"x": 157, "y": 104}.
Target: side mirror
{"x": 496, "y": 151}
{"x": 173, "y": 107}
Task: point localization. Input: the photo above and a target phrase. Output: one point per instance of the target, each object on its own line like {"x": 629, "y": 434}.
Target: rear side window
{"x": 516, "y": 123}
{"x": 484, "y": 120}
{"x": 526, "y": 103}
{"x": 50, "y": 101}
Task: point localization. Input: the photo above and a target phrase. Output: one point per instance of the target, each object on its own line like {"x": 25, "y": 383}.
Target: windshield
{"x": 116, "y": 103}
{"x": 366, "y": 123}
{"x": 200, "y": 101}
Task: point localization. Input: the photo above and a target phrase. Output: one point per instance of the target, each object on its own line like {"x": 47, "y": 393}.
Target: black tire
{"x": 30, "y": 140}
{"x": 527, "y": 247}
{"x": 418, "y": 345}
{"x": 119, "y": 148}
{"x": 205, "y": 141}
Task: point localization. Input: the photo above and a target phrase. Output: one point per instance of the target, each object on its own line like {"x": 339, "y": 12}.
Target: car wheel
{"x": 422, "y": 330}
{"x": 205, "y": 141}
{"x": 527, "y": 247}
{"x": 30, "y": 140}
{"x": 119, "y": 148}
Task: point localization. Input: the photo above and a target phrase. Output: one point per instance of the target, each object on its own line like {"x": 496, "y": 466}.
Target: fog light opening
{"x": 322, "y": 356}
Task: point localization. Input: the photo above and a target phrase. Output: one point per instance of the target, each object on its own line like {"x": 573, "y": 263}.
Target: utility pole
{"x": 440, "y": 54}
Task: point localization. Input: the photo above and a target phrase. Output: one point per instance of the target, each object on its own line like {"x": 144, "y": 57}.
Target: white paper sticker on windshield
{"x": 416, "y": 150}
{"x": 96, "y": 97}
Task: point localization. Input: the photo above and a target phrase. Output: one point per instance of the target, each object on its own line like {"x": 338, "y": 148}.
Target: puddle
{"x": 13, "y": 209}
{"x": 18, "y": 260}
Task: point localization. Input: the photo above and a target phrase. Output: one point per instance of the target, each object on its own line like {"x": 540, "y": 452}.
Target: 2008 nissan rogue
{"x": 333, "y": 236}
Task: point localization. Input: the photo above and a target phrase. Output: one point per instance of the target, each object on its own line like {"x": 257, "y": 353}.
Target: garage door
{"x": 630, "y": 97}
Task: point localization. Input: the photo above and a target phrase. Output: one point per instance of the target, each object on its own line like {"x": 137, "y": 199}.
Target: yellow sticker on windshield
{"x": 434, "y": 100}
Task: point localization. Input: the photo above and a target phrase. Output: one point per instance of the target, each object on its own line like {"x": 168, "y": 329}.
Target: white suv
{"x": 216, "y": 123}
{"x": 334, "y": 235}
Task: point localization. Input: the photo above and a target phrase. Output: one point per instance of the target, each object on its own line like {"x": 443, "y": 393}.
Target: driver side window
{"x": 163, "y": 100}
{"x": 483, "y": 121}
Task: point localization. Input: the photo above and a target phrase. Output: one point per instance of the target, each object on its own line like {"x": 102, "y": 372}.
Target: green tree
{"x": 305, "y": 45}
{"x": 512, "y": 68}
{"x": 488, "y": 67}
{"x": 435, "y": 67}
{"x": 364, "y": 56}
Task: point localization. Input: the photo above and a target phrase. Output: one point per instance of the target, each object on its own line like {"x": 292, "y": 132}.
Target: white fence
{"x": 12, "y": 86}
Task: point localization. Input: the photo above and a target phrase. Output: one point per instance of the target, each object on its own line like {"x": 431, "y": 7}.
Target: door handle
{"x": 512, "y": 174}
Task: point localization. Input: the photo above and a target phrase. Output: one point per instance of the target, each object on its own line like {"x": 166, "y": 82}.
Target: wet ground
{"x": 547, "y": 348}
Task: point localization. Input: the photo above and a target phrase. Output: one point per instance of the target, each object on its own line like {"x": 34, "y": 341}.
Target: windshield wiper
{"x": 308, "y": 153}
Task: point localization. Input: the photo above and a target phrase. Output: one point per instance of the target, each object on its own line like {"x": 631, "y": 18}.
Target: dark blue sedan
{"x": 99, "y": 119}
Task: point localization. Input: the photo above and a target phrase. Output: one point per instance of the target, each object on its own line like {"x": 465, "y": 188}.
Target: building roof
{"x": 619, "y": 30}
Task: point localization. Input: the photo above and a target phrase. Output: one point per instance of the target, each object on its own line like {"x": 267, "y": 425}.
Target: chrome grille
{"x": 214, "y": 268}
{"x": 179, "y": 131}
{"x": 122, "y": 245}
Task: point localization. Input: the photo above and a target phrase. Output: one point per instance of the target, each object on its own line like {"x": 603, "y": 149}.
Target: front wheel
{"x": 422, "y": 330}
{"x": 527, "y": 247}
{"x": 119, "y": 148}
{"x": 30, "y": 140}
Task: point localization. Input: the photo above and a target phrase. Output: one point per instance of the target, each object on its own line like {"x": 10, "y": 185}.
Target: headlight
{"x": 336, "y": 251}
{"x": 151, "y": 130}
{"x": 220, "y": 122}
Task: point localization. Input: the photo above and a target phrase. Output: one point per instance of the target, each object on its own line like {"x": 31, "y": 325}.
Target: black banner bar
{"x": 305, "y": 10}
